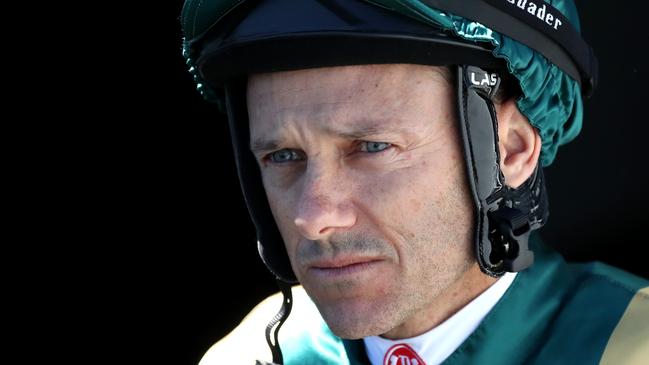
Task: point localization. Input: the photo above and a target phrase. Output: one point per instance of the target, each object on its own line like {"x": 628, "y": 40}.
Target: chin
{"x": 358, "y": 318}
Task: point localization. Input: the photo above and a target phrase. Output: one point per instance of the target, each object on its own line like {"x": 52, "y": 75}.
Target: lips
{"x": 343, "y": 266}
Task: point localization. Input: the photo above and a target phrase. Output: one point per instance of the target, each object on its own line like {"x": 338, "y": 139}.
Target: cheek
{"x": 402, "y": 193}
{"x": 282, "y": 204}
{"x": 427, "y": 202}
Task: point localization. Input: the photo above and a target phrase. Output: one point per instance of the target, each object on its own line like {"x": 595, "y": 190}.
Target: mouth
{"x": 343, "y": 267}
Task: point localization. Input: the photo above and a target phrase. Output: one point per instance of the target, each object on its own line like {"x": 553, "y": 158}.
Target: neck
{"x": 471, "y": 284}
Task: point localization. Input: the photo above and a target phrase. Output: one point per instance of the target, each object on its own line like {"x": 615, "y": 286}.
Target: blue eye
{"x": 283, "y": 156}
{"x": 374, "y": 147}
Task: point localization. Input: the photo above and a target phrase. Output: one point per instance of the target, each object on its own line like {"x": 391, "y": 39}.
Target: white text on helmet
{"x": 538, "y": 11}
{"x": 487, "y": 79}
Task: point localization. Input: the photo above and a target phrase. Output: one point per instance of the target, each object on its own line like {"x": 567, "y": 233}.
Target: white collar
{"x": 440, "y": 342}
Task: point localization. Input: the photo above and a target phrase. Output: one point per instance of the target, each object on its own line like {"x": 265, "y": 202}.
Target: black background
{"x": 172, "y": 243}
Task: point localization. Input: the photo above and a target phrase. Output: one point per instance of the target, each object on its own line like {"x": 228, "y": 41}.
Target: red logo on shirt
{"x": 402, "y": 354}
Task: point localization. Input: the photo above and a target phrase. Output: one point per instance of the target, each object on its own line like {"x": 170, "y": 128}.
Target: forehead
{"x": 360, "y": 80}
{"x": 344, "y": 95}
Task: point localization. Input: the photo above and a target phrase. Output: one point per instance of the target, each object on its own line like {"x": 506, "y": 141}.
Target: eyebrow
{"x": 359, "y": 132}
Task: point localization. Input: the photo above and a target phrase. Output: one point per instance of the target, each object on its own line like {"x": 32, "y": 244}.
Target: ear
{"x": 519, "y": 143}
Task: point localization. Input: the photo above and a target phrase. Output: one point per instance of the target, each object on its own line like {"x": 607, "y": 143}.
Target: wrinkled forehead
{"x": 356, "y": 77}
{"x": 379, "y": 92}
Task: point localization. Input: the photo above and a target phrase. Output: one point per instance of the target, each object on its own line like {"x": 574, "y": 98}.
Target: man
{"x": 390, "y": 153}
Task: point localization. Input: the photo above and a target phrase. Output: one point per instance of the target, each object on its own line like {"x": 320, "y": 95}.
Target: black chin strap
{"x": 505, "y": 216}
{"x": 272, "y": 330}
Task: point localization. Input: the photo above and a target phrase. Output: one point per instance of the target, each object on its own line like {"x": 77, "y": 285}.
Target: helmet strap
{"x": 272, "y": 330}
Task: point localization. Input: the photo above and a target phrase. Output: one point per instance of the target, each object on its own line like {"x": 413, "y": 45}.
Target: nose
{"x": 324, "y": 207}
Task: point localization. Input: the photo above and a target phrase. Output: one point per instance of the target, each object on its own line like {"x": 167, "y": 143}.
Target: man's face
{"x": 364, "y": 174}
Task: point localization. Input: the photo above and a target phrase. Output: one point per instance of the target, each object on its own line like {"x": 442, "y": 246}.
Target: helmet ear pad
{"x": 269, "y": 240}
{"x": 505, "y": 216}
